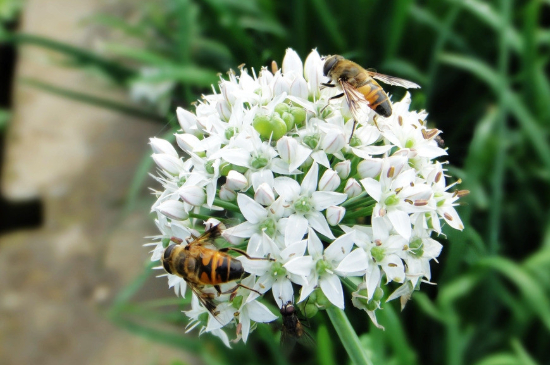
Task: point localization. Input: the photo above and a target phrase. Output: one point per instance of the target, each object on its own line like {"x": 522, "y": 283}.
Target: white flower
{"x": 272, "y": 274}
{"x": 274, "y": 153}
{"x": 320, "y": 267}
{"x": 306, "y": 204}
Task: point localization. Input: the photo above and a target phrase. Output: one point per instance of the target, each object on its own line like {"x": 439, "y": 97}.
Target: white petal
{"x": 314, "y": 244}
{"x": 294, "y": 250}
{"x": 356, "y": 261}
{"x": 298, "y": 88}
{"x": 373, "y": 188}
{"x": 309, "y": 184}
{"x": 259, "y": 312}
{"x": 340, "y": 247}
{"x": 300, "y": 266}
{"x": 260, "y": 177}
{"x": 282, "y": 291}
{"x": 252, "y": 211}
{"x": 287, "y": 188}
{"x": 292, "y": 64}
{"x": 162, "y": 146}
{"x": 332, "y": 287}
{"x": 308, "y": 288}
{"x": 296, "y": 228}
{"x": 318, "y": 222}
{"x": 323, "y": 199}
{"x": 401, "y": 222}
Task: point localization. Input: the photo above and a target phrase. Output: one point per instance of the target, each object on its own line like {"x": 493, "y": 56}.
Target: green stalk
{"x": 363, "y": 212}
{"x": 347, "y": 335}
{"x": 358, "y": 198}
{"x": 226, "y": 205}
{"x": 199, "y": 216}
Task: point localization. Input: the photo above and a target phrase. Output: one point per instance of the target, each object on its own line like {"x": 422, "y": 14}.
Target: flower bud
{"x": 299, "y": 88}
{"x": 280, "y": 86}
{"x": 187, "y": 142}
{"x": 173, "y": 209}
{"x": 292, "y": 64}
{"x": 162, "y": 146}
{"x": 168, "y": 163}
{"x": 227, "y": 194}
{"x": 224, "y": 110}
{"x": 287, "y": 148}
{"x": 264, "y": 195}
{"x": 229, "y": 91}
{"x": 333, "y": 142}
{"x": 192, "y": 194}
{"x": 188, "y": 121}
{"x": 329, "y": 181}
{"x": 343, "y": 168}
{"x": 265, "y": 77}
{"x": 335, "y": 214}
{"x": 369, "y": 167}
{"x": 352, "y": 188}
{"x": 236, "y": 181}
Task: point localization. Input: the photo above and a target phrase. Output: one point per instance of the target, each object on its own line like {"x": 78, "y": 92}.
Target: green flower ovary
{"x": 312, "y": 141}
{"x": 268, "y": 226}
{"x": 303, "y": 205}
{"x": 278, "y": 270}
{"x": 416, "y": 247}
{"x": 378, "y": 253}
{"x": 237, "y": 302}
{"x": 322, "y": 267}
{"x": 259, "y": 162}
{"x": 391, "y": 200}
{"x": 208, "y": 166}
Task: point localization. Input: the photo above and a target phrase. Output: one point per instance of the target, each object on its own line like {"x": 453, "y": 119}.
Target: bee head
{"x": 166, "y": 258}
{"x": 330, "y": 62}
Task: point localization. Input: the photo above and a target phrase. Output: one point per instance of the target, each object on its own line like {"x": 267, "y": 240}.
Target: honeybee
{"x": 360, "y": 88}
{"x": 293, "y": 330}
{"x": 199, "y": 266}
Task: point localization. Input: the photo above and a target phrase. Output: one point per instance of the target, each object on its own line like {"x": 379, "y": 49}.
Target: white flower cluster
{"x": 322, "y": 201}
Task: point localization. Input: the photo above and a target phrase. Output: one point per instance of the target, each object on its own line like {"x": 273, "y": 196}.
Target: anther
{"x": 378, "y": 242}
{"x": 391, "y": 171}
{"x": 400, "y": 119}
{"x": 462, "y": 193}
{"x": 409, "y": 201}
{"x": 420, "y": 202}
{"x": 274, "y": 67}
{"x": 448, "y": 216}
{"x": 438, "y": 176}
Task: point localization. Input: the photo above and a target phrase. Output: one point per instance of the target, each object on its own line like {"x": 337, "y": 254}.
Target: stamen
{"x": 438, "y": 176}
{"x": 400, "y": 119}
{"x": 462, "y": 193}
{"x": 448, "y": 216}
{"x": 398, "y": 190}
{"x": 409, "y": 201}
{"x": 391, "y": 171}
{"x": 420, "y": 202}
{"x": 274, "y": 67}
{"x": 392, "y": 265}
{"x": 378, "y": 242}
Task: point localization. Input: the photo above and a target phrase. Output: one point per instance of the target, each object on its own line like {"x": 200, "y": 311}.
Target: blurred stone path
{"x": 79, "y": 160}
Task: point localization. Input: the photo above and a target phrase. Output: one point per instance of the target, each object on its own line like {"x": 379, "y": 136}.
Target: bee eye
{"x": 329, "y": 64}
{"x": 168, "y": 251}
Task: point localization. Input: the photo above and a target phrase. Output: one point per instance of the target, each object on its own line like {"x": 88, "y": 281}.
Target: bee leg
{"x": 327, "y": 84}
{"x": 233, "y": 290}
{"x": 219, "y": 290}
{"x": 328, "y": 102}
{"x": 244, "y": 253}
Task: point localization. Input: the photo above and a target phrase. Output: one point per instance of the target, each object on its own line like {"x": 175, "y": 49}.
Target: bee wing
{"x": 358, "y": 105}
{"x": 391, "y": 80}
{"x": 208, "y": 237}
{"x": 207, "y": 302}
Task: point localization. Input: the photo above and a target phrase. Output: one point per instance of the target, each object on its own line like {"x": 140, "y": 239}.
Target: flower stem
{"x": 363, "y": 212}
{"x": 199, "y": 216}
{"x": 226, "y": 205}
{"x": 348, "y": 337}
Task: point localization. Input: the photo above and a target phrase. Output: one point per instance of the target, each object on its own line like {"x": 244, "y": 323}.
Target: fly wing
{"x": 358, "y": 105}
{"x": 206, "y": 301}
{"x": 395, "y": 81}
{"x": 208, "y": 237}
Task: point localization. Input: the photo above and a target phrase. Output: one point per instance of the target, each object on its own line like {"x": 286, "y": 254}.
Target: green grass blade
{"x": 93, "y": 100}
{"x": 115, "y": 70}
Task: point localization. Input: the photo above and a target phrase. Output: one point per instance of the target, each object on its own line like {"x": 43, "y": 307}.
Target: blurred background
{"x": 84, "y": 84}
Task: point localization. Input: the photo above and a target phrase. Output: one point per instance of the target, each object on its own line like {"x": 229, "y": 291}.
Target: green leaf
{"x": 115, "y": 70}
{"x": 531, "y": 290}
{"x": 93, "y": 100}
